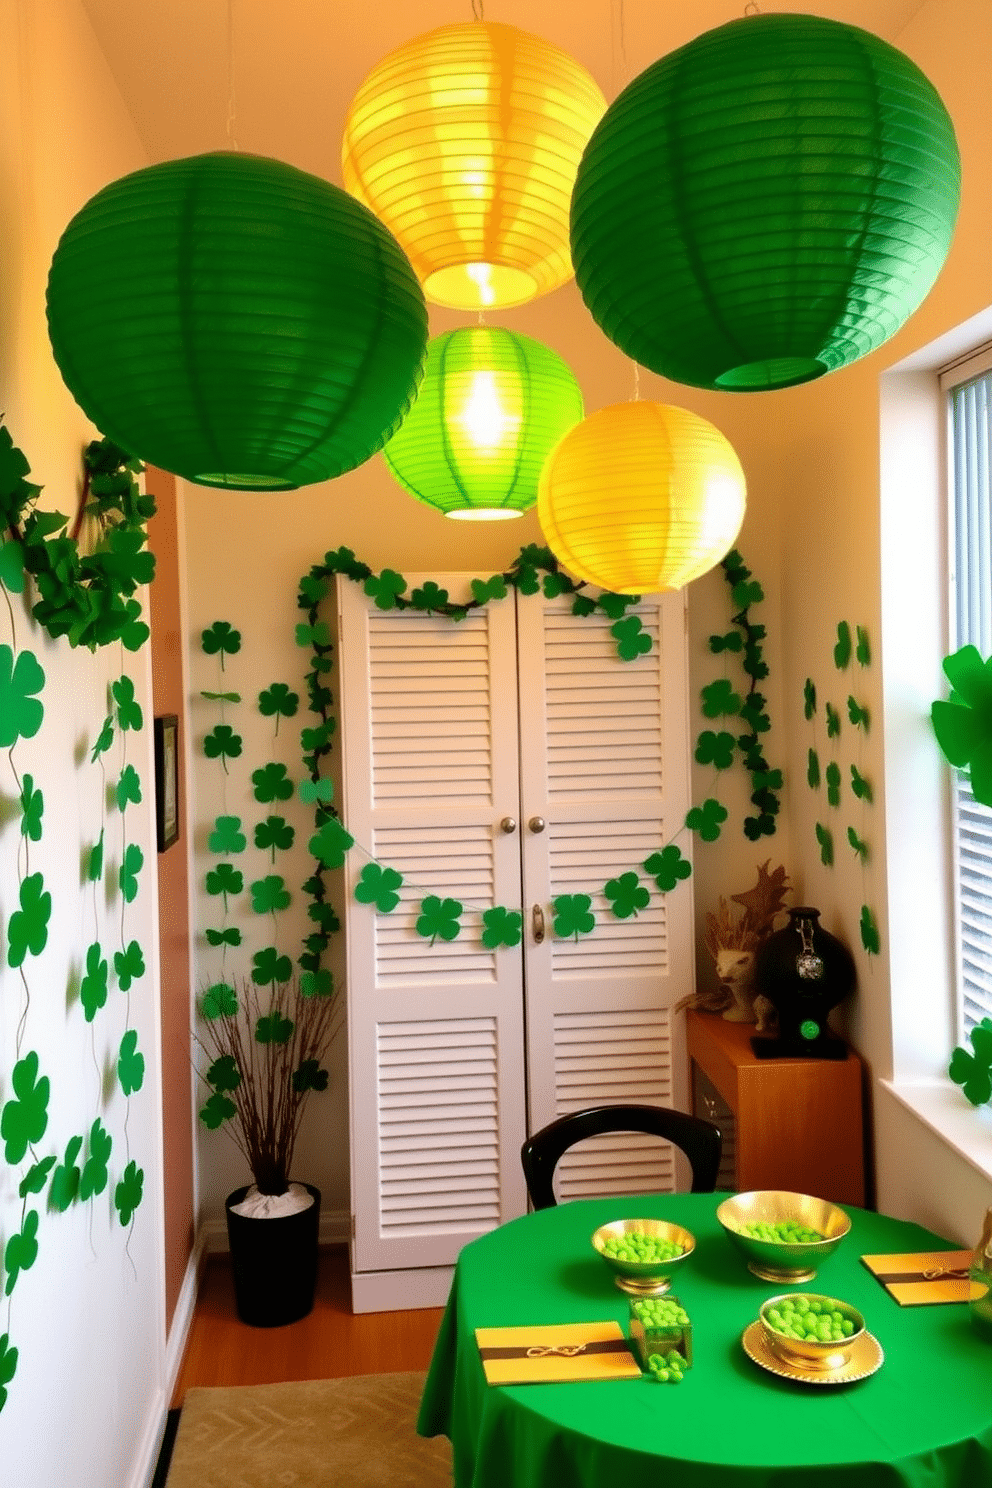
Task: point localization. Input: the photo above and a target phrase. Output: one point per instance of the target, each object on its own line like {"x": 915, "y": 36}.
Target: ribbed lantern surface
{"x": 465, "y": 142}
{"x": 236, "y": 321}
{"x": 492, "y": 404}
{"x": 641, "y": 497}
{"x": 766, "y": 204}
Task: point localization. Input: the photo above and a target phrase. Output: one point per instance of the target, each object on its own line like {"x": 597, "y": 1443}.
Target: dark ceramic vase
{"x": 804, "y": 971}
{"x": 274, "y": 1262}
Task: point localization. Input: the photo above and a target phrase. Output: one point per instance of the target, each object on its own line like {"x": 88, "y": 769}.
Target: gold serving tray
{"x": 865, "y": 1358}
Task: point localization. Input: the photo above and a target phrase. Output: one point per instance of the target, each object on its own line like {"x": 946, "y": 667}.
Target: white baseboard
{"x": 175, "y": 1347}
{"x": 399, "y": 1291}
{"x": 335, "y": 1229}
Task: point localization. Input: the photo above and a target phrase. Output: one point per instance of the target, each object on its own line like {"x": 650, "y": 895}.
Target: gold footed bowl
{"x": 790, "y": 1262}
{"x": 643, "y": 1278}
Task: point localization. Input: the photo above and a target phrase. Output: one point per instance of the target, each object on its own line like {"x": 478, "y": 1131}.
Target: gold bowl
{"x": 644, "y": 1278}
{"x": 777, "y": 1260}
{"x": 816, "y": 1355}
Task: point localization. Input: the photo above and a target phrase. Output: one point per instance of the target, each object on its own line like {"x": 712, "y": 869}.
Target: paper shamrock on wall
{"x": 667, "y": 867}
{"x": 626, "y": 895}
{"x": 377, "y": 885}
{"x": 707, "y": 819}
{"x": 439, "y": 917}
{"x": 22, "y": 1250}
{"x": 25, "y": 1116}
{"x": 973, "y": 1071}
{"x": 271, "y": 783}
{"x": 127, "y": 876}
{"x": 269, "y": 966}
{"x": 65, "y": 1179}
{"x": 32, "y": 809}
{"x": 130, "y": 1063}
{"x": 129, "y": 715}
{"x": 225, "y": 879}
{"x": 129, "y": 965}
{"x": 222, "y": 743}
{"x": 8, "y": 1360}
{"x": 221, "y": 639}
{"x": 227, "y": 836}
{"x": 501, "y": 927}
{"x": 20, "y": 711}
{"x": 963, "y": 724}
{"x": 127, "y": 1194}
{"x": 573, "y": 915}
{"x": 27, "y": 930}
{"x": 93, "y": 988}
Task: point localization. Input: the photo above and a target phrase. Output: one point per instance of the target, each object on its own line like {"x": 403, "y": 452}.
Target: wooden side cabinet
{"x": 797, "y": 1124}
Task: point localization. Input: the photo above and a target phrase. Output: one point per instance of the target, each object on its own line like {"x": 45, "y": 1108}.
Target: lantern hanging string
{"x": 232, "y": 105}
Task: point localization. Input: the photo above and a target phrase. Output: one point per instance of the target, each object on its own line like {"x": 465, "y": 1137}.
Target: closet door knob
{"x": 537, "y": 923}
{"x": 537, "y": 824}
{"x": 508, "y": 824}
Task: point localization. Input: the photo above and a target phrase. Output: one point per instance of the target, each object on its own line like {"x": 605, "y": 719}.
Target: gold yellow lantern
{"x": 466, "y": 142}
{"x": 641, "y": 497}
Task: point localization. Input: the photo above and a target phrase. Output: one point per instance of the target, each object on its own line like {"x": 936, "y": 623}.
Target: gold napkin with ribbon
{"x": 920, "y": 1277}
{"x": 559, "y": 1351}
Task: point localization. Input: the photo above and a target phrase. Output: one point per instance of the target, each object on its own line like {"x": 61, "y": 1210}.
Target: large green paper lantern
{"x": 236, "y": 321}
{"x": 766, "y": 204}
{"x": 492, "y": 405}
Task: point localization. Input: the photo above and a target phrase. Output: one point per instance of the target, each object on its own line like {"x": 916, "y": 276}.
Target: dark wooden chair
{"x": 700, "y": 1140}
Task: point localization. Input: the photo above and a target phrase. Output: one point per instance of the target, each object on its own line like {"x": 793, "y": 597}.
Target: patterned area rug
{"x": 339, "y": 1433}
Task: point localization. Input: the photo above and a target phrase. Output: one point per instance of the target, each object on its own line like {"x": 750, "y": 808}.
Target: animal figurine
{"x": 732, "y": 939}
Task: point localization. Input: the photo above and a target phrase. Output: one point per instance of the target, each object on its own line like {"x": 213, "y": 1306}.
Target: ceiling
{"x": 275, "y": 77}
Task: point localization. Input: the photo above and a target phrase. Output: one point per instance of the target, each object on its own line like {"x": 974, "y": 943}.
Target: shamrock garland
{"x": 973, "y": 1071}
{"x": 963, "y": 723}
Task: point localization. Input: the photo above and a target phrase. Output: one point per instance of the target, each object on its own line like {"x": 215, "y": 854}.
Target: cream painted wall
{"x": 87, "y": 1400}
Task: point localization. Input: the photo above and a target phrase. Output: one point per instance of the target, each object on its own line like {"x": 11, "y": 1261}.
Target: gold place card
{"x": 560, "y": 1351}
{"x": 917, "y": 1278}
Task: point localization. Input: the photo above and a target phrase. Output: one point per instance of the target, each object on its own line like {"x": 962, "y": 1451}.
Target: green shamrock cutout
{"x": 809, "y": 698}
{"x": 36, "y": 1177}
{"x": 315, "y": 740}
{"x": 130, "y": 1064}
{"x": 501, "y": 927}
{"x": 331, "y": 843}
{"x": 863, "y": 651}
{"x": 572, "y": 915}
{"x": 22, "y": 1250}
{"x": 105, "y": 740}
{"x": 127, "y": 875}
{"x": 227, "y": 836}
{"x": 859, "y": 715}
{"x": 386, "y": 589}
{"x": 27, "y": 930}
{"x": 439, "y": 917}
{"x": 225, "y": 879}
{"x": 842, "y": 650}
{"x": 129, "y": 965}
{"x": 94, "y": 1177}
{"x": 553, "y": 584}
{"x": 309, "y": 1076}
{"x": 224, "y": 1074}
{"x": 129, "y": 715}
{"x": 813, "y": 770}
{"x": 668, "y": 867}
{"x": 378, "y": 886}
{"x": 94, "y": 864}
{"x": 860, "y": 786}
{"x": 273, "y": 1028}
{"x": 314, "y": 589}
{"x": 222, "y": 743}
{"x": 631, "y": 637}
{"x": 707, "y": 819}
{"x": 25, "y": 1116}
{"x": 220, "y": 638}
{"x": 218, "y": 1109}
{"x": 128, "y": 788}
{"x": 12, "y": 565}
{"x": 963, "y": 724}
{"x": 615, "y": 606}
{"x": 833, "y": 783}
{"x": 870, "y": 938}
{"x": 8, "y": 1355}
{"x": 627, "y": 895}
{"x": 744, "y": 594}
{"x": 127, "y": 1194}
{"x": 312, "y": 791}
{"x": 93, "y": 988}
{"x": 484, "y": 589}
{"x": 826, "y": 840}
{"x": 32, "y": 809}
{"x": 65, "y": 1179}
{"x": 277, "y": 700}
{"x": 268, "y": 966}
{"x": 973, "y": 1071}
{"x": 219, "y": 1001}
{"x": 715, "y": 749}
{"x": 316, "y": 983}
{"x": 858, "y": 843}
{"x": 314, "y": 635}
{"x": 229, "y": 936}
{"x": 582, "y": 605}
{"x": 731, "y": 641}
{"x": 20, "y": 711}
{"x": 720, "y": 700}
{"x": 833, "y": 721}
{"x": 275, "y": 833}
{"x": 271, "y": 783}
{"x": 221, "y": 697}
{"x": 754, "y": 714}
{"x": 430, "y": 598}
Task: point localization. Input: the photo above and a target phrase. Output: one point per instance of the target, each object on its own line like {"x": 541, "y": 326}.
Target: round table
{"x": 924, "y": 1420}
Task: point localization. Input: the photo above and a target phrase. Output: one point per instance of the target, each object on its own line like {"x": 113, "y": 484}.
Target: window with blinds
{"x": 969, "y": 389}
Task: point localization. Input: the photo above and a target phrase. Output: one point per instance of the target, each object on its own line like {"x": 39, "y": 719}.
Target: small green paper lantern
{"x": 766, "y": 204}
{"x": 492, "y": 406}
{"x": 236, "y": 321}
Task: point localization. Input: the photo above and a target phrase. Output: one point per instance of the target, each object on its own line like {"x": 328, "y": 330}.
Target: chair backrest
{"x": 700, "y": 1140}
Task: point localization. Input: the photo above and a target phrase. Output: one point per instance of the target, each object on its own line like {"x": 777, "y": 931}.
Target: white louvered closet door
{"x": 435, "y": 1032}
{"x": 605, "y": 768}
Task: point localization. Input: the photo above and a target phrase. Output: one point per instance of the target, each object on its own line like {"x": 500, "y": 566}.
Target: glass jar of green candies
{"x": 659, "y": 1328}
{"x": 980, "y": 1292}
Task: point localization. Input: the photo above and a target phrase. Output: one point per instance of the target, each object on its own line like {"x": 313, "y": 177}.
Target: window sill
{"x": 939, "y": 1104}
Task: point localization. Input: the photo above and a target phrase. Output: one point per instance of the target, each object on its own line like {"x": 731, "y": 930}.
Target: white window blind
{"x": 969, "y": 388}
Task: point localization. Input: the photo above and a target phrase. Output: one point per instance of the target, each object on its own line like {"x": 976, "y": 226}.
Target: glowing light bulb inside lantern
{"x": 483, "y": 417}
{"x": 481, "y": 276}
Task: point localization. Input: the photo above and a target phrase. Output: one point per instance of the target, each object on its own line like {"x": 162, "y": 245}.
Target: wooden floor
{"x": 328, "y": 1344}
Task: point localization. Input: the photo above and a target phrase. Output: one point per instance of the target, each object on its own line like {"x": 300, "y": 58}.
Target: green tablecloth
{"x": 923, "y": 1421}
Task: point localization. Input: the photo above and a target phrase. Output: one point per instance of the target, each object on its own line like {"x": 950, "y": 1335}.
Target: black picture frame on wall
{"x": 167, "y": 780}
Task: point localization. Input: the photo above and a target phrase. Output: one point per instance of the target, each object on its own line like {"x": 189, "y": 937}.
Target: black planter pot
{"x": 804, "y": 971}
{"x": 274, "y": 1262}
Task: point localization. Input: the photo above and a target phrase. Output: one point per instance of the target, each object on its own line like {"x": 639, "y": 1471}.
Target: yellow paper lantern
{"x": 466, "y": 142}
{"x": 641, "y": 497}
